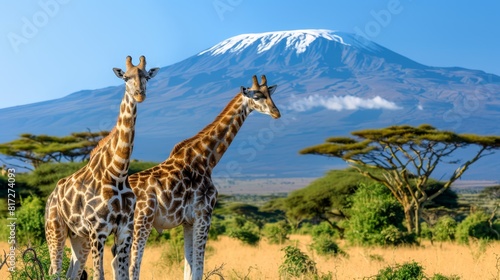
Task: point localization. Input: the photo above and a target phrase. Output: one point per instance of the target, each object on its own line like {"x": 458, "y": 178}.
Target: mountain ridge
{"x": 346, "y": 86}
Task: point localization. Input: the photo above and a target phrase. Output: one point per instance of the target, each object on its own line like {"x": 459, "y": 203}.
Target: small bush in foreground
{"x": 296, "y": 264}
{"x": 34, "y": 263}
{"x": 408, "y": 271}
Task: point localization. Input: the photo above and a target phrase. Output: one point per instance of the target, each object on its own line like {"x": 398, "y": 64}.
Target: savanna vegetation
{"x": 347, "y": 224}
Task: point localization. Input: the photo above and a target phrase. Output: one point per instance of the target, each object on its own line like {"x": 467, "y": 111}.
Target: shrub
{"x": 438, "y": 276}
{"x": 444, "y": 229}
{"x": 396, "y": 236}
{"x": 30, "y": 225}
{"x": 324, "y": 245}
{"x": 174, "y": 248}
{"x": 246, "y": 236}
{"x": 376, "y": 218}
{"x": 324, "y": 228}
{"x": 476, "y": 225}
{"x": 34, "y": 263}
{"x": 296, "y": 264}
{"x": 156, "y": 238}
{"x": 243, "y": 230}
{"x": 425, "y": 231}
{"x": 277, "y": 233}
{"x": 407, "y": 271}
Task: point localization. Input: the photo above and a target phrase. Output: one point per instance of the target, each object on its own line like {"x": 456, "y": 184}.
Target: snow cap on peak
{"x": 298, "y": 40}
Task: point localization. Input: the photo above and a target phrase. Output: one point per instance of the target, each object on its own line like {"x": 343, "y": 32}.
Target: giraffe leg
{"x": 56, "y": 233}
{"x": 97, "y": 241}
{"x": 80, "y": 248}
{"x": 188, "y": 251}
{"x": 121, "y": 251}
{"x": 143, "y": 224}
{"x": 199, "y": 240}
{"x": 200, "y": 228}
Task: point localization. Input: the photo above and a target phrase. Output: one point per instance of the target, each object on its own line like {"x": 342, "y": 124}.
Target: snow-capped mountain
{"x": 329, "y": 83}
{"x": 297, "y": 40}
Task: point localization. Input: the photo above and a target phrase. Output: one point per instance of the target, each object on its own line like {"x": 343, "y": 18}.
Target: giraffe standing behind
{"x": 97, "y": 200}
{"x": 180, "y": 190}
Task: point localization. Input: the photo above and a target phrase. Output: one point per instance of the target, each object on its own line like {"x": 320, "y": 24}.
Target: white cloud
{"x": 420, "y": 107}
{"x": 339, "y": 103}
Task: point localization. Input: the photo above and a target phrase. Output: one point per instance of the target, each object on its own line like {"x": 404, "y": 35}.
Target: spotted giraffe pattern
{"x": 180, "y": 190}
{"x": 97, "y": 200}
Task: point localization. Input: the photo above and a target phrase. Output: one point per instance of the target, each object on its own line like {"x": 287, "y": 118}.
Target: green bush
{"x": 425, "y": 231}
{"x": 476, "y": 225}
{"x": 324, "y": 228}
{"x": 407, "y": 271}
{"x": 376, "y": 218}
{"x": 325, "y": 245}
{"x": 243, "y": 230}
{"x": 444, "y": 229}
{"x": 304, "y": 229}
{"x": 245, "y": 235}
{"x": 277, "y": 233}
{"x": 155, "y": 237}
{"x": 34, "y": 263}
{"x": 438, "y": 276}
{"x": 296, "y": 264}
{"x": 30, "y": 222}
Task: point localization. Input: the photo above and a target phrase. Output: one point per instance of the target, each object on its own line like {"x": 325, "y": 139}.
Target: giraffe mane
{"x": 103, "y": 142}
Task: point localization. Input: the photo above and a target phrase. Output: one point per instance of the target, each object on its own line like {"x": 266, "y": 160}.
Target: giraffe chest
{"x": 94, "y": 205}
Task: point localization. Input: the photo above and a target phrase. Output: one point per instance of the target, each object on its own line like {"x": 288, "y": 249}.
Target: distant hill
{"x": 329, "y": 83}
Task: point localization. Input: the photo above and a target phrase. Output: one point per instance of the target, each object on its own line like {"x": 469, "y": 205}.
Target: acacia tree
{"x": 38, "y": 149}
{"x": 403, "y": 159}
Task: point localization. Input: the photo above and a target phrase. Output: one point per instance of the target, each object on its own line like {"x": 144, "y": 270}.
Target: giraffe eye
{"x": 258, "y": 95}
{"x": 125, "y": 78}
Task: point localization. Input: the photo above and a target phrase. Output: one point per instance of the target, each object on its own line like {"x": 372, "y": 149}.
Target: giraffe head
{"x": 136, "y": 77}
{"x": 259, "y": 97}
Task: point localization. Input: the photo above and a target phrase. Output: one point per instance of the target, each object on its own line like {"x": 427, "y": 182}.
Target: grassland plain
{"x": 479, "y": 261}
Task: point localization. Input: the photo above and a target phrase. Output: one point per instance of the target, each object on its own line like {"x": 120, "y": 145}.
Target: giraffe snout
{"x": 275, "y": 113}
{"x": 139, "y": 96}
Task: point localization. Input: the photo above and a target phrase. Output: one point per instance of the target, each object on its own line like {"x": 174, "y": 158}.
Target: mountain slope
{"x": 329, "y": 83}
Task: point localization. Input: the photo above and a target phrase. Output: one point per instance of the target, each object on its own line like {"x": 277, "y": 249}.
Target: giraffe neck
{"x": 217, "y": 136}
{"x": 114, "y": 155}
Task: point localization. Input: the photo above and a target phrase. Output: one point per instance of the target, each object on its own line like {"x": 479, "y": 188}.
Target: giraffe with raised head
{"x": 180, "y": 190}
{"x": 96, "y": 200}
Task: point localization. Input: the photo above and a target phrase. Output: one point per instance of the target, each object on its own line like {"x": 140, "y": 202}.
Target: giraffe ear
{"x": 271, "y": 89}
{"x": 246, "y": 92}
{"x": 119, "y": 72}
{"x": 152, "y": 72}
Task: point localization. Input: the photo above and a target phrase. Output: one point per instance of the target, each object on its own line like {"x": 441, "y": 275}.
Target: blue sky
{"x": 51, "y": 48}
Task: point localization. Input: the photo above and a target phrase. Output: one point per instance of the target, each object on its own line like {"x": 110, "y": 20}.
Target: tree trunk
{"x": 418, "y": 212}
{"x": 409, "y": 217}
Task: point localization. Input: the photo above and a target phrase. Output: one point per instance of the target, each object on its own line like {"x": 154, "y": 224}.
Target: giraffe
{"x": 180, "y": 191}
{"x": 97, "y": 200}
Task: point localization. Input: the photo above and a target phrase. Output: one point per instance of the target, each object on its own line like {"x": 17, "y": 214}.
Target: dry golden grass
{"x": 261, "y": 262}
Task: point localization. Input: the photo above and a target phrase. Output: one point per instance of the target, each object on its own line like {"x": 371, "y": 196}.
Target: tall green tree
{"x": 38, "y": 149}
{"x": 404, "y": 157}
